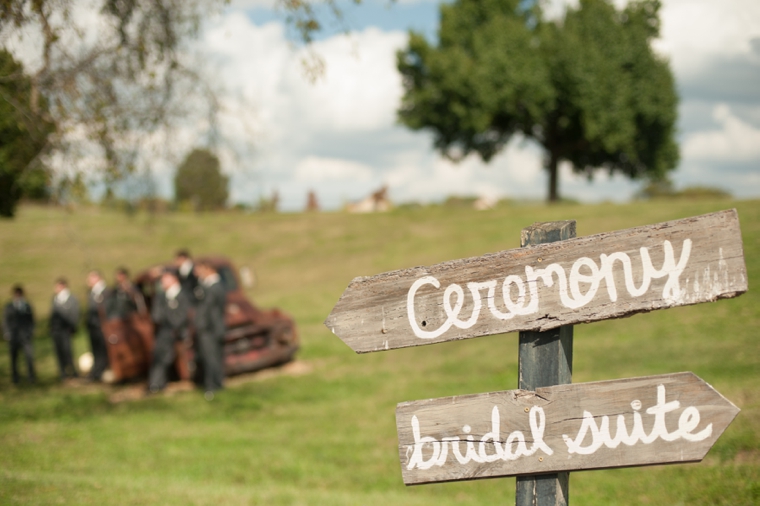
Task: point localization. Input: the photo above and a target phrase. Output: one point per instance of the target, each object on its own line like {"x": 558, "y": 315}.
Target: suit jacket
{"x": 190, "y": 286}
{"x": 209, "y": 313}
{"x": 18, "y": 320}
{"x": 64, "y": 318}
{"x": 124, "y": 301}
{"x": 96, "y": 304}
{"x": 170, "y": 315}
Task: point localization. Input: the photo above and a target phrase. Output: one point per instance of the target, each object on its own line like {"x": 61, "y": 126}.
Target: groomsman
{"x": 169, "y": 312}
{"x": 126, "y": 299}
{"x": 18, "y": 327}
{"x": 64, "y": 319}
{"x": 96, "y": 310}
{"x": 210, "y": 327}
{"x": 187, "y": 275}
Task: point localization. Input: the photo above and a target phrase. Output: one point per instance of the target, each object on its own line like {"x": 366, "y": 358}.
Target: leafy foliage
{"x": 200, "y": 182}
{"x": 114, "y": 74}
{"x": 588, "y": 88}
{"x": 22, "y": 138}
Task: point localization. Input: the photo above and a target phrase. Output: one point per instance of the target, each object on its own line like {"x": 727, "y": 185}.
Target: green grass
{"x": 329, "y": 437}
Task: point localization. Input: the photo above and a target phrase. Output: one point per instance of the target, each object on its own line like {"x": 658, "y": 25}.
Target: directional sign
{"x": 538, "y": 288}
{"x": 666, "y": 419}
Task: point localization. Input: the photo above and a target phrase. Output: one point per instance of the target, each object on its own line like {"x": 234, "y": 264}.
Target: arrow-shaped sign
{"x": 673, "y": 418}
{"x": 541, "y": 287}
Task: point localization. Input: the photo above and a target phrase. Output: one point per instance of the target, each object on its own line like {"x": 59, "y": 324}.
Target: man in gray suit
{"x": 169, "y": 312}
{"x": 18, "y": 327}
{"x": 210, "y": 327}
{"x": 64, "y": 319}
{"x": 96, "y": 309}
{"x": 126, "y": 298}
{"x": 187, "y": 275}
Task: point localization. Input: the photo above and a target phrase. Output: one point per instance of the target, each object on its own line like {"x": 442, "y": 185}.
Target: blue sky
{"x": 339, "y": 136}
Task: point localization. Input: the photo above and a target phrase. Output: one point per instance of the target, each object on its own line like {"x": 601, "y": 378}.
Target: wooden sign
{"x": 673, "y": 418}
{"x": 538, "y": 288}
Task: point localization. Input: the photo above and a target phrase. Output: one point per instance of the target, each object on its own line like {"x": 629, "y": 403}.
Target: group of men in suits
{"x": 192, "y": 288}
{"x": 19, "y": 324}
{"x": 187, "y": 290}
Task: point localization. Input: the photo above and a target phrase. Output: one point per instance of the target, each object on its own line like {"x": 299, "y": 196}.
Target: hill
{"x": 328, "y": 437}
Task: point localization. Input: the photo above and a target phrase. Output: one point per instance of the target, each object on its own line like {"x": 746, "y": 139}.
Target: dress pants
{"x": 22, "y": 343}
{"x": 62, "y": 344}
{"x": 99, "y": 354}
{"x": 163, "y": 358}
{"x": 212, "y": 356}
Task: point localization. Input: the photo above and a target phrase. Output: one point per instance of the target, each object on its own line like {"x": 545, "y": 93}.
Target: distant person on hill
{"x": 126, "y": 298}
{"x": 18, "y": 328}
{"x": 210, "y": 328}
{"x": 170, "y": 312}
{"x": 96, "y": 309}
{"x": 64, "y": 320}
{"x": 186, "y": 274}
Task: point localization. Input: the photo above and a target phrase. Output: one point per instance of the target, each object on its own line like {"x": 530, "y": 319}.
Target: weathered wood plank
{"x": 672, "y": 418}
{"x": 580, "y": 280}
{"x": 545, "y": 359}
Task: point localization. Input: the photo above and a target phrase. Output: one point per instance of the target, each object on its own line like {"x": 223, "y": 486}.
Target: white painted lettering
{"x": 600, "y": 435}
{"x": 575, "y": 291}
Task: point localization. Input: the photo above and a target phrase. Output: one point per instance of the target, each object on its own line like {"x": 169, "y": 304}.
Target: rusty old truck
{"x": 255, "y": 338}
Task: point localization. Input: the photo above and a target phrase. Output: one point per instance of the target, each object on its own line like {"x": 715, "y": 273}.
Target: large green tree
{"x": 588, "y": 88}
{"x": 200, "y": 181}
{"x": 23, "y": 137}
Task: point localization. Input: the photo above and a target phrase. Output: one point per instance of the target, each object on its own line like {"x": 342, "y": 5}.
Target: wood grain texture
{"x": 545, "y": 359}
{"x": 373, "y": 313}
{"x": 564, "y": 407}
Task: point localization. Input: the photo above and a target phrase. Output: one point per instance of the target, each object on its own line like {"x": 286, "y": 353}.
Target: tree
{"x": 200, "y": 182}
{"x": 588, "y": 88}
{"x": 112, "y": 75}
{"x": 121, "y": 77}
{"x": 22, "y": 138}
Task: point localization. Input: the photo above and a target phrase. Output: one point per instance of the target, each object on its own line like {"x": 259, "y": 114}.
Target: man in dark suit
{"x": 187, "y": 275}
{"x": 169, "y": 312}
{"x": 18, "y": 327}
{"x": 96, "y": 310}
{"x": 210, "y": 327}
{"x": 64, "y": 319}
{"x": 126, "y": 298}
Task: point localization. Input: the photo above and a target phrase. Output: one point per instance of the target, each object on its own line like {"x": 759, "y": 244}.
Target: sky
{"x": 339, "y": 136}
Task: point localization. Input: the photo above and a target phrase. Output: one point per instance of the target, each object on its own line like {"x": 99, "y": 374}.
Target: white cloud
{"x": 360, "y": 87}
{"x": 339, "y": 137}
{"x": 696, "y": 32}
{"x": 253, "y": 4}
{"x": 735, "y": 141}
{"x": 314, "y": 169}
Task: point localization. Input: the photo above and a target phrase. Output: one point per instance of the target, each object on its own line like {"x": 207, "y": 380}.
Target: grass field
{"x": 328, "y": 437}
